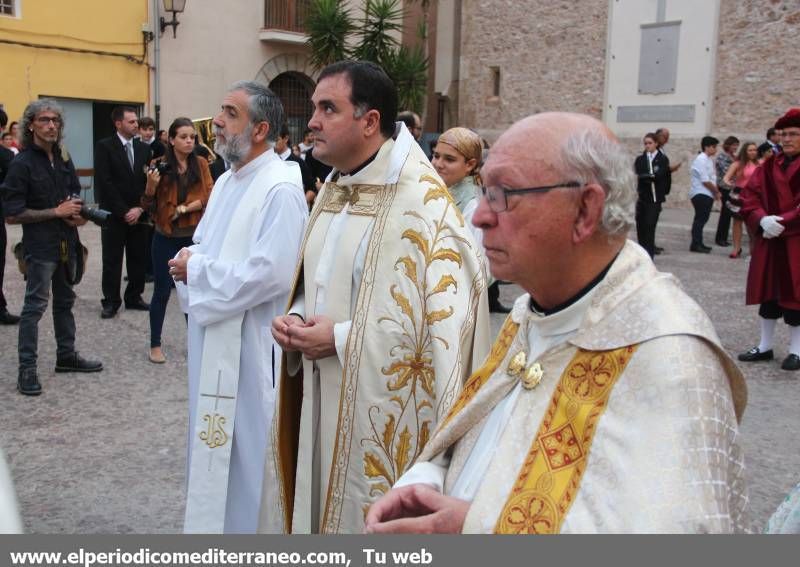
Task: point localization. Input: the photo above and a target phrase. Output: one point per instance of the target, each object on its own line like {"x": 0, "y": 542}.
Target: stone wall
{"x": 758, "y": 68}
{"x": 551, "y": 56}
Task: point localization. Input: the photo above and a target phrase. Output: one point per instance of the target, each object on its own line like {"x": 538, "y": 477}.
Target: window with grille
{"x": 294, "y": 90}
{"x": 8, "y": 8}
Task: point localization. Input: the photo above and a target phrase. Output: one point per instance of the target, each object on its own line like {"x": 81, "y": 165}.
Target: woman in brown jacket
{"x": 176, "y": 194}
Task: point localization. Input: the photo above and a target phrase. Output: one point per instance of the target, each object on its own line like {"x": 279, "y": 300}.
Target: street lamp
{"x": 174, "y": 6}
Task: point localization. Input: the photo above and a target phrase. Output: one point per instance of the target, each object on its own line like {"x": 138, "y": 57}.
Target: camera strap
{"x": 73, "y": 271}
{"x": 63, "y": 249}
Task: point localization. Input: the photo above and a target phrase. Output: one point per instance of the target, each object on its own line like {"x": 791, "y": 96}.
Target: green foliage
{"x": 328, "y": 26}
{"x": 375, "y": 42}
{"x": 408, "y": 68}
{"x": 331, "y": 29}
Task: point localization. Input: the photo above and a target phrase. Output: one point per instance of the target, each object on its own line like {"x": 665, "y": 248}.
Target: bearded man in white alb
{"x": 607, "y": 403}
{"x": 232, "y": 282}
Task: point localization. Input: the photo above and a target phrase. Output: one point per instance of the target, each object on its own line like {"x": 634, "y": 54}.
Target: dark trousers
{"x": 658, "y": 213}
{"x": 119, "y": 238}
{"x": 646, "y": 218}
{"x": 724, "y": 224}
{"x": 148, "y": 252}
{"x": 772, "y": 310}
{"x": 164, "y": 249}
{"x": 3, "y": 244}
{"x": 702, "y": 210}
{"x": 41, "y": 275}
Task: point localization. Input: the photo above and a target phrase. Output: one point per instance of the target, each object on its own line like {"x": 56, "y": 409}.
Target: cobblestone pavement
{"x": 104, "y": 453}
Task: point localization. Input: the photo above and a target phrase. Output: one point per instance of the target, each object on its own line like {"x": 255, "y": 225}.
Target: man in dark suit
{"x": 6, "y": 156}
{"x": 653, "y": 173}
{"x": 283, "y": 148}
{"x": 119, "y": 179}
{"x": 147, "y": 132}
{"x": 218, "y": 167}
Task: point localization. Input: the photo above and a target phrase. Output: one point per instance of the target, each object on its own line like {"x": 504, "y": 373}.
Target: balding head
{"x": 560, "y": 192}
{"x": 571, "y": 147}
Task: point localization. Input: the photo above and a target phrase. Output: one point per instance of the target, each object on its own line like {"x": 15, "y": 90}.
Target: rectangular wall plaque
{"x": 656, "y": 113}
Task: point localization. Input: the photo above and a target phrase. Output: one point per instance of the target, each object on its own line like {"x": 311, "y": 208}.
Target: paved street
{"x": 104, "y": 453}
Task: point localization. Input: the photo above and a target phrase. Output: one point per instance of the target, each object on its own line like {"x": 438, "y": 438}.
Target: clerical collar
{"x": 539, "y": 310}
{"x": 362, "y": 166}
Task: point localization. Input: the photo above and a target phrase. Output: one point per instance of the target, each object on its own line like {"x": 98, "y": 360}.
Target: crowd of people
{"x": 377, "y": 401}
{"x": 764, "y": 205}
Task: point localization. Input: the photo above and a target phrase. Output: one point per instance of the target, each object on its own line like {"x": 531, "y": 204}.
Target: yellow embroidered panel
{"x": 363, "y": 199}
{"x": 402, "y": 428}
{"x": 551, "y": 474}
{"x": 482, "y": 375}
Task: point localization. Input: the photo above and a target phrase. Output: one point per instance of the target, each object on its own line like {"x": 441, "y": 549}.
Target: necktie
{"x": 129, "y": 148}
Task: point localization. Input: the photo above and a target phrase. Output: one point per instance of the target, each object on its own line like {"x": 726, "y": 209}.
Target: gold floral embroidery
{"x": 482, "y": 375}
{"x": 590, "y": 376}
{"x": 399, "y": 436}
{"x": 529, "y": 513}
{"x": 551, "y": 474}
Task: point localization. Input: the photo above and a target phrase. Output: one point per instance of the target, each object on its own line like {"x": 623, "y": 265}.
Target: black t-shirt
{"x": 34, "y": 183}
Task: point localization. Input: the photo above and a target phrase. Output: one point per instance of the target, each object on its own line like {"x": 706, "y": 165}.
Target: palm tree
{"x": 328, "y": 25}
{"x": 334, "y": 36}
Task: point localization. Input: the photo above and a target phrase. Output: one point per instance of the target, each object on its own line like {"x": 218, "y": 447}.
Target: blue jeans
{"x": 164, "y": 249}
{"x": 41, "y": 275}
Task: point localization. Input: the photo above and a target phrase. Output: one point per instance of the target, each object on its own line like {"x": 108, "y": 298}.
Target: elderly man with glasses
{"x": 607, "y": 403}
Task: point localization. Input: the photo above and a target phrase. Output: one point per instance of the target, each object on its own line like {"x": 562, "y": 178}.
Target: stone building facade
{"x": 722, "y": 67}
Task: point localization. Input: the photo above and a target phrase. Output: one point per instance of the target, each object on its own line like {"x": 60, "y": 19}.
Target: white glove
{"x": 772, "y": 228}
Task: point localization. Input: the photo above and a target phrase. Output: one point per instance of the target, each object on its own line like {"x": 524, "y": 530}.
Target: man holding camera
{"x": 38, "y": 193}
{"x": 119, "y": 180}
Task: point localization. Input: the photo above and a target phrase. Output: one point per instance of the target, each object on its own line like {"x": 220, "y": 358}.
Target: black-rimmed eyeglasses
{"x": 497, "y": 197}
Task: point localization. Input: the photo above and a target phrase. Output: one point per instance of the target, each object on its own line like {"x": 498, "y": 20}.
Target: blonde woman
{"x": 457, "y": 158}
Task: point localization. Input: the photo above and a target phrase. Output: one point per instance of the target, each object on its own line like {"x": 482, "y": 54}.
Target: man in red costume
{"x": 771, "y": 208}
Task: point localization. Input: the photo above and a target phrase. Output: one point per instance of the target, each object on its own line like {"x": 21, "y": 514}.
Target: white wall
{"x": 217, "y": 45}
{"x": 445, "y": 46}
{"x": 695, "y": 73}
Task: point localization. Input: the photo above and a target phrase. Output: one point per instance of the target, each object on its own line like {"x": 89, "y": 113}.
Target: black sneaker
{"x": 7, "y": 318}
{"x": 755, "y": 355}
{"x": 28, "y": 382}
{"x": 108, "y": 312}
{"x": 76, "y": 363}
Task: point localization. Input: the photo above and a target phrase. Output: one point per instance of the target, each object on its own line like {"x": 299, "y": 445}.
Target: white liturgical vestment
{"x": 256, "y": 288}
{"x": 10, "y": 522}
{"x": 630, "y": 425}
{"x": 388, "y": 258}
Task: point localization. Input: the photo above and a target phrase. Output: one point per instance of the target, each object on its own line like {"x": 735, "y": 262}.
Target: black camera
{"x": 97, "y": 216}
{"x": 161, "y": 166}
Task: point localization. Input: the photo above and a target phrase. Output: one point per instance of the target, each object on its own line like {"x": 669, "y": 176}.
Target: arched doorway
{"x": 295, "y": 90}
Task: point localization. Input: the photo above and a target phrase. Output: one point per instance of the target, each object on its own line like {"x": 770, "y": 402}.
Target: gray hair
{"x": 29, "y": 114}
{"x": 264, "y": 106}
{"x": 591, "y": 156}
